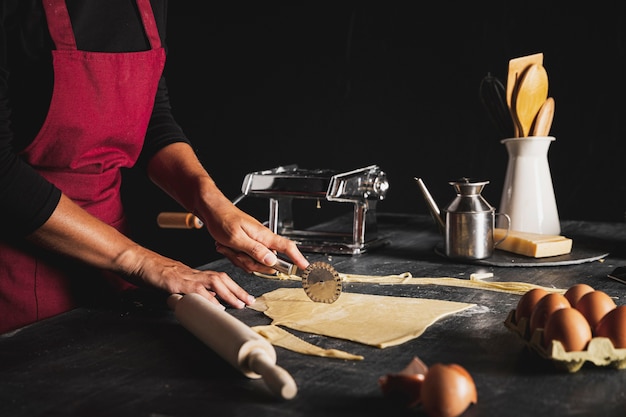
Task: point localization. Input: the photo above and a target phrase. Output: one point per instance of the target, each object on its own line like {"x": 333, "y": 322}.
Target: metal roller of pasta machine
{"x": 362, "y": 188}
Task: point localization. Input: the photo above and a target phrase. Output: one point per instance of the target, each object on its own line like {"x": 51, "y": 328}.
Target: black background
{"x": 350, "y": 84}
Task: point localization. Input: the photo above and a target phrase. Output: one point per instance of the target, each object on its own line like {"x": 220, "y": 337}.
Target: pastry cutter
{"x": 320, "y": 281}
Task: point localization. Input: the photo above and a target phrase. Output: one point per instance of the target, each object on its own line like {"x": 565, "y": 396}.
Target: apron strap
{"x": 59, "y": 24}
{"x": 147, "y": 16}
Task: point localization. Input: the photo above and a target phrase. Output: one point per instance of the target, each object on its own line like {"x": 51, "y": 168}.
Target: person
{"x": 83, "y": 96}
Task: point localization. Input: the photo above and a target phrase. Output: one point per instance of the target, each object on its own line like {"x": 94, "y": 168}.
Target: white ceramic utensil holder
{"x": 528, "y": 194}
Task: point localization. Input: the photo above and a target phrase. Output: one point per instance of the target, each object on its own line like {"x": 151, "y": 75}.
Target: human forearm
{"x": 73, "y": 232}
{"x": 178, "y": 172}
{"x": 243, "y": 239}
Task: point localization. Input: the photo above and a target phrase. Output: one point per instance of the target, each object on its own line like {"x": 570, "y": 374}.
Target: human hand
{"x": 250, "y": 245}
{"x": 246, "y": 242}
{"x": 174, "y": 277}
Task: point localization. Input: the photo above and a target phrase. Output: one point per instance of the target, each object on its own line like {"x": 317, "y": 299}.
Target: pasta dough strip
{"x": 475, "y": 281}
{"x": 278, "y": 336}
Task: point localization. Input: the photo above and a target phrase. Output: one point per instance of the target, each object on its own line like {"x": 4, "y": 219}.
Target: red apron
{"x": 96, "y": 124}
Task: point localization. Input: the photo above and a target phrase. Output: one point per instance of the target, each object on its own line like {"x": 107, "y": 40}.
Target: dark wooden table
{"x": 134, "y": 359}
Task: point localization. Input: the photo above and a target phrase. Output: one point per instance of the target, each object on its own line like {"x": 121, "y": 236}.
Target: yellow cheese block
{"x": 532, "y": 244}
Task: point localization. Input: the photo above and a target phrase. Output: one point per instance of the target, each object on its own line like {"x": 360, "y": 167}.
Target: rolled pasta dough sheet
{"x": 375, "y": 320}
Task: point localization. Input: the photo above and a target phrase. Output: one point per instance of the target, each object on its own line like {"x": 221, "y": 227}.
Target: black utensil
{"x": 492, "y": 95}
{"x": 618, "y": 274}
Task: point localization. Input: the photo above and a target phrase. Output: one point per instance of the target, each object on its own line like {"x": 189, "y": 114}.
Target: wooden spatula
{"x": 543, "y": 121}
{"x": 516, "y": 67}
{"x": 529, "y": 96}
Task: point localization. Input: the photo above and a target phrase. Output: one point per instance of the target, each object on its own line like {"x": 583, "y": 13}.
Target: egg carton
{"x": 600, "y": 351}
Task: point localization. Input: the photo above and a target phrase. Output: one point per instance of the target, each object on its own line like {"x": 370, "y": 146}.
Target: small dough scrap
{"x": 375, "y": 320}
{"x": 278, "y": 336}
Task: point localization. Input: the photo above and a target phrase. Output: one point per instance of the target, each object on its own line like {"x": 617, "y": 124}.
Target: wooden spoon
{"x": 531, "y": 93}
{"x": 543, "y": 121}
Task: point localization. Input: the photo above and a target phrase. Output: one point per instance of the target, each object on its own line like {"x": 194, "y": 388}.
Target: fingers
{"x": 292, "y": 251}
{"x": 250, "y": 265}
{"x": 176, "y": 278}
{"x": 218, "y": 286}
{"x": 238, "y": 259}
{"x": 258, "y": 252}
{"x": 287, "y": 247}
{"x": 228, "y": 291}
{"x": 210, "y": 295}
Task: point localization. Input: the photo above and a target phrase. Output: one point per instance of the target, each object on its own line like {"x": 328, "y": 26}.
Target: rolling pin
{"x": 169, "y": 220}
{"x": 234, "y": 341}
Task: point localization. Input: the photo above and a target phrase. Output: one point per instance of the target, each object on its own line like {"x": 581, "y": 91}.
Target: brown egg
{"x": 448, "y": 390}
{"x": 594, "y": 305}
{"x": 527, "y": 303}
{"x": 613, "y": 326}
{"x": 404, "y": 388}
{"x": 568, "y": 326}
{"x": 576, "y": 291}
{"x": 544, "y": 307}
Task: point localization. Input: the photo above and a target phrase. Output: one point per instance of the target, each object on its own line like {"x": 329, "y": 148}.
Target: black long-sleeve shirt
{"x": 26, "y": 199}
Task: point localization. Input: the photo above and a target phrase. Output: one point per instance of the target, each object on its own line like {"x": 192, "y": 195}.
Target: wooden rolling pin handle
{"x": 168, "y": 220}
{"x": 278, "y": 380}
{"x": 233, "y": 340}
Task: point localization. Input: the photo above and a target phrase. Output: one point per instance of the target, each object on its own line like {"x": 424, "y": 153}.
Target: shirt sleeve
{"x": 27, "y": 200}
{"x": 163, "y": 129}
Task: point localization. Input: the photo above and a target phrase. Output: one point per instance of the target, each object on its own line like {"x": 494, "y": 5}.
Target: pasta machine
{"x": 351, "y": 234}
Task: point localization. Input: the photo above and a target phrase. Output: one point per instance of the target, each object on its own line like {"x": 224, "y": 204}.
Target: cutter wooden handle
{"x": 169, "y": 220}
